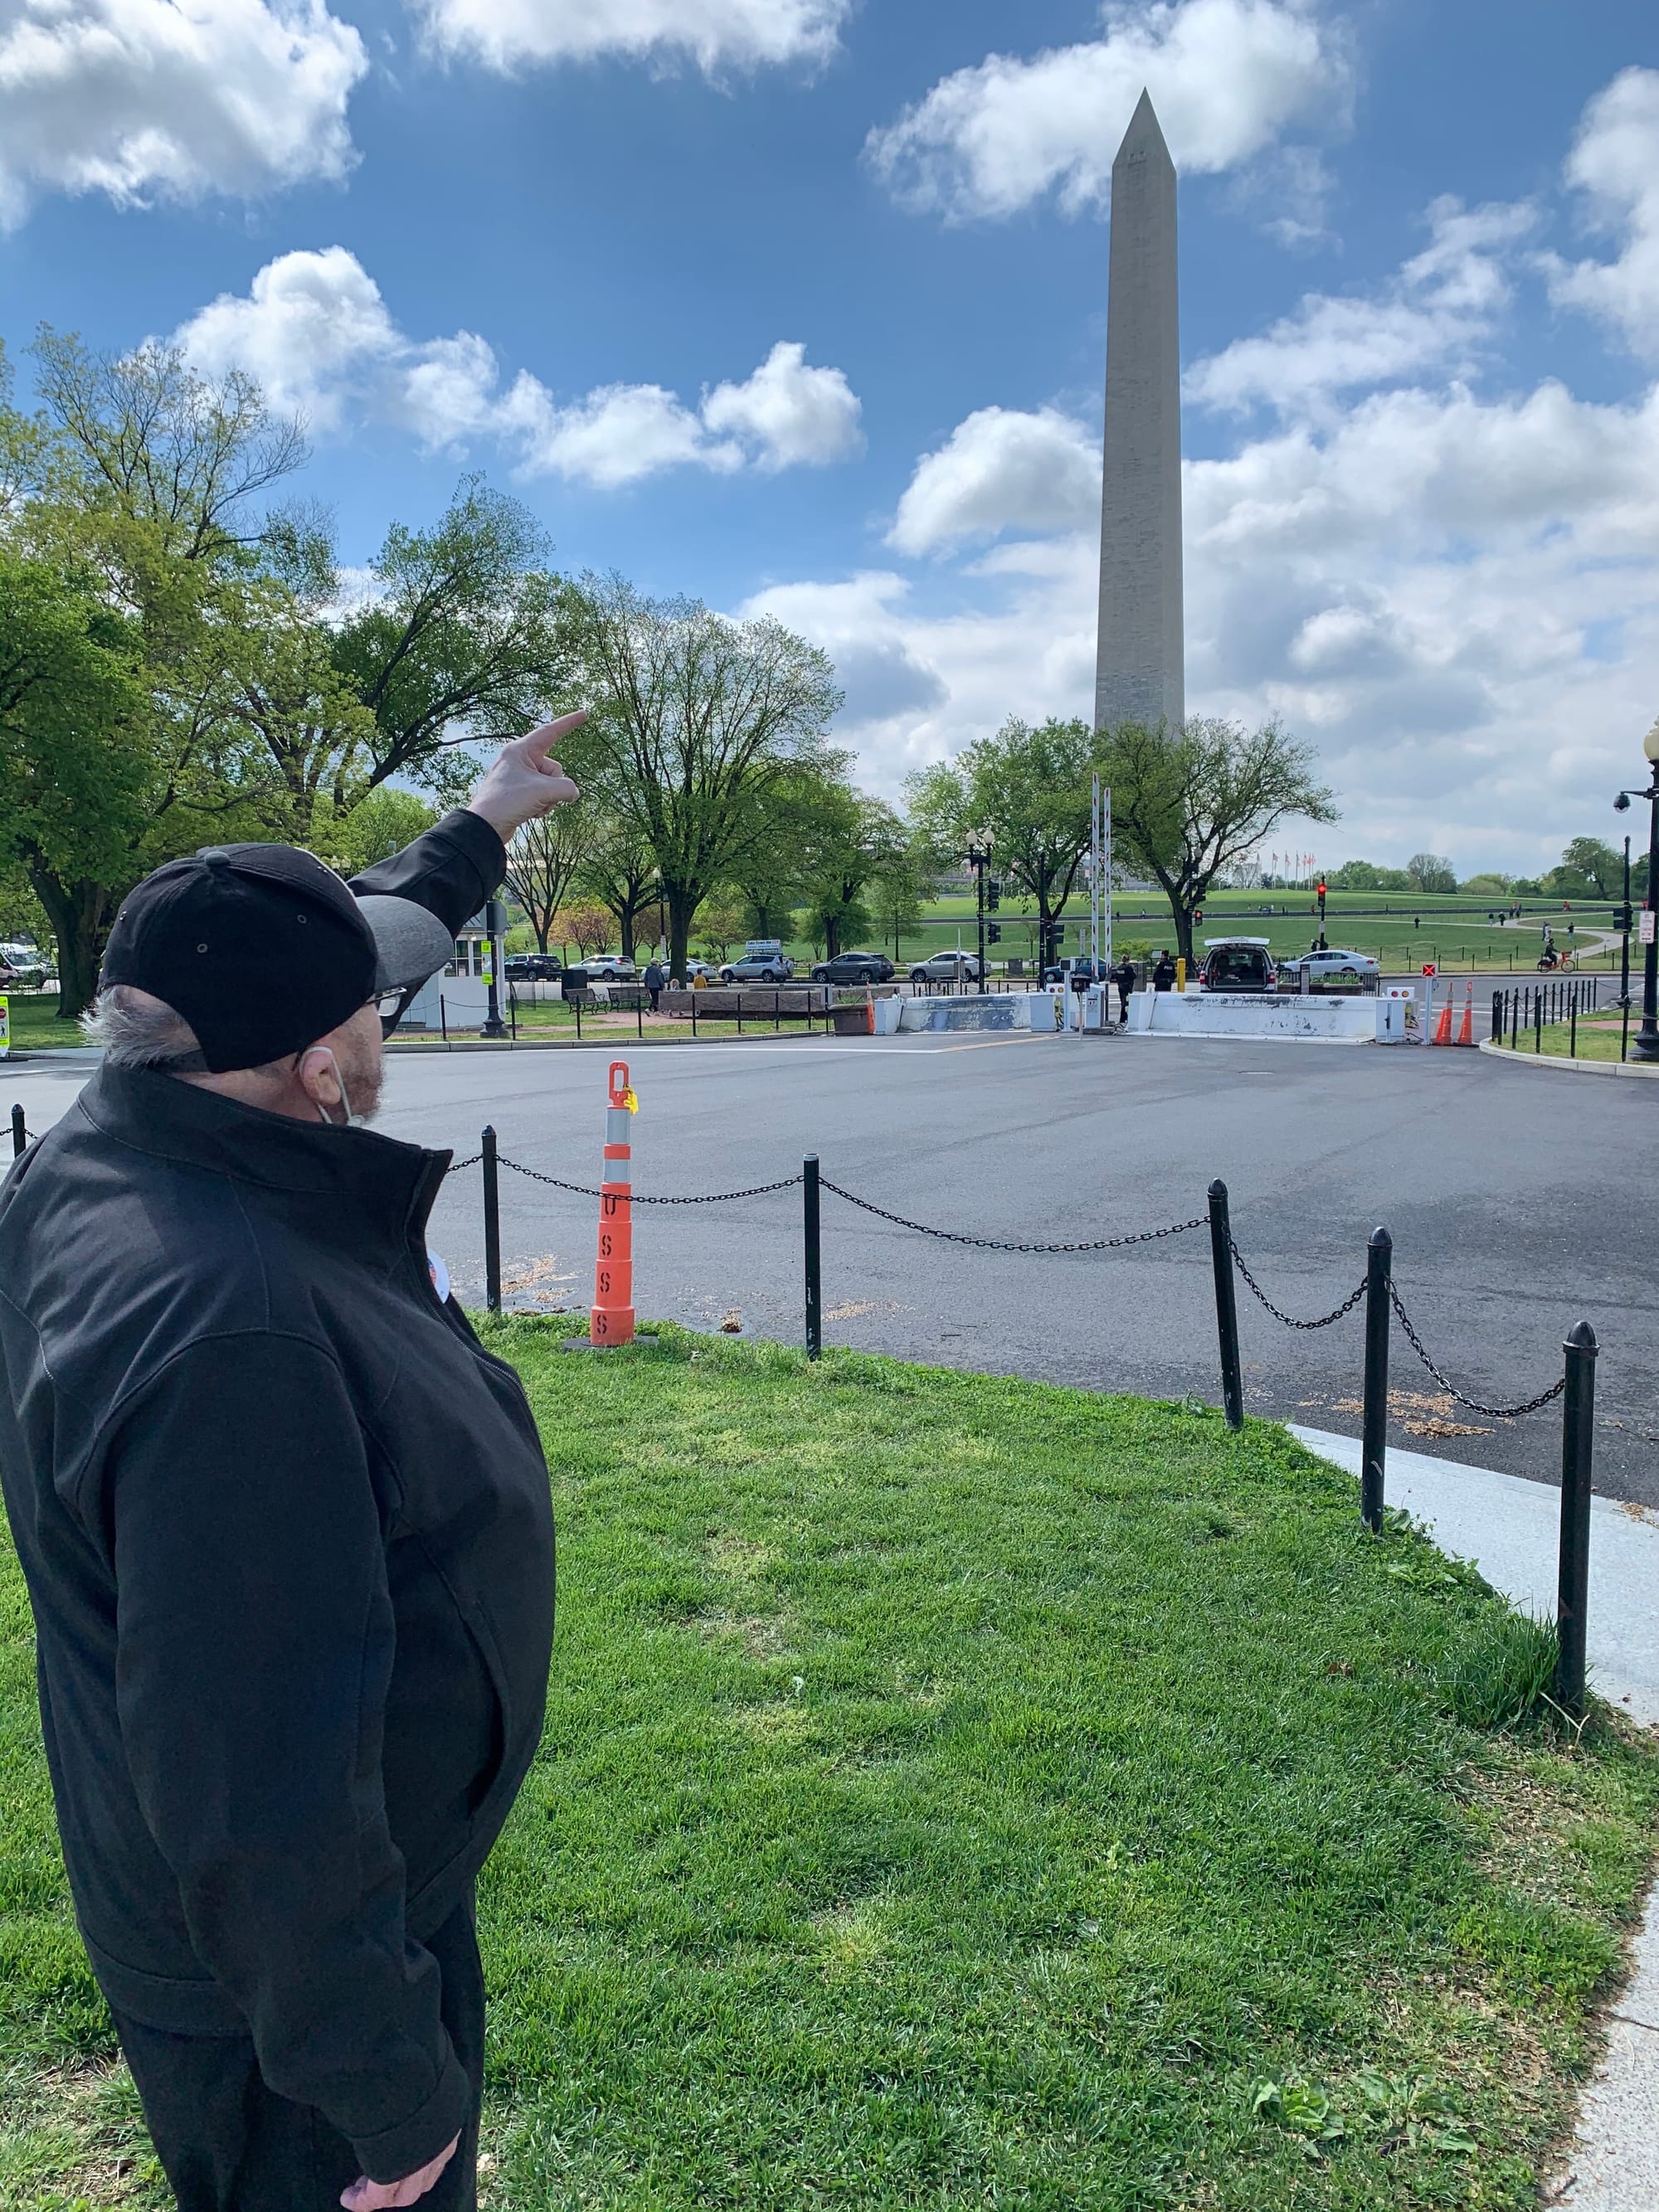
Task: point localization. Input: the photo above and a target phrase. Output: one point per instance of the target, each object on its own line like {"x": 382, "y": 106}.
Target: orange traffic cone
{"x": 612, "y": 1318}
{"x": 1443, "y": 1027}
{"x": 1466, "y": 1027}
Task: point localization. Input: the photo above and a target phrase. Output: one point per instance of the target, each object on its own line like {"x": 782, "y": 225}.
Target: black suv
{"x": 854, "y": 968}
{"x": 532, "y": 968}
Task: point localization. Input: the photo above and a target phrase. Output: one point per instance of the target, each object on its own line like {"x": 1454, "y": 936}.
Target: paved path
{"x": 1517, "y": 1208}
{"x": 1509, "y": 1527}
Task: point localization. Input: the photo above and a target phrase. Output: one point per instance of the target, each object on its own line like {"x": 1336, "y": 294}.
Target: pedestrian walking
{"x": 285, "y": 1526}
{"x": 654, "y": 981}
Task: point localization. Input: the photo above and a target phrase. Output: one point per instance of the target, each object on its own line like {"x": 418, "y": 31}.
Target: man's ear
{"x": 315, "y": 1073}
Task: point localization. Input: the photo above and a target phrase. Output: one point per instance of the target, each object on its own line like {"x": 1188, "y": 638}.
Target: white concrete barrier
{"x": 995, "y": 1010}
{"x": 1310, "y": 1020}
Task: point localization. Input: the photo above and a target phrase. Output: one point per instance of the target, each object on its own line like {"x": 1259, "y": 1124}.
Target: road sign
{"x": 1644, "y": 926}
{"x": 1429, "y": 968}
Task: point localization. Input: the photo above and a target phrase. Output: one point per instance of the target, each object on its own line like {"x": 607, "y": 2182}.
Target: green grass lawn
{"x": 1595, "y": 1041}
{"x": 959, "y": 1792}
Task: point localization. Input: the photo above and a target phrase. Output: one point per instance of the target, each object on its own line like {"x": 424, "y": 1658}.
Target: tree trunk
{"x": 1183, "y": 923}
{"x": 77, "y": 911}
{"x": 682, "y": 902}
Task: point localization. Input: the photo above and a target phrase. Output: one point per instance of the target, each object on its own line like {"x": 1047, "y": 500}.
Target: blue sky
{"x": 800, "y": 304}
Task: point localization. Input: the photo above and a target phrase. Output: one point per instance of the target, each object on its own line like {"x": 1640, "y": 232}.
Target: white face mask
{"x": 352, "y": 1121}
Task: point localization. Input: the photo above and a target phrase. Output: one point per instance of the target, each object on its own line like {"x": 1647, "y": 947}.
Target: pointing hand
{"x": 524, "y": 781}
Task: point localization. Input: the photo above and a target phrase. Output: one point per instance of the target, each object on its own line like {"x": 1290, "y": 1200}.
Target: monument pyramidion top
{"x": 1144, "y": 141}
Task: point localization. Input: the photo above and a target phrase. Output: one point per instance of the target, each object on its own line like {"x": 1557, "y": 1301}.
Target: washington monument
{"x": 1140, "y": 674}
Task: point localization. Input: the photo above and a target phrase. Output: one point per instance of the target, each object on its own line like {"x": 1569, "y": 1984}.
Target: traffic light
{"x": 994, "y": 932}
{"x": 1623, "y": 918}
{"x": 1197, "y": 917}
{"x": 993, "y": 895}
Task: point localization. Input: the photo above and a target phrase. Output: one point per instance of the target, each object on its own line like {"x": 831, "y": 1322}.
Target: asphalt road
{"x": 1520, "y": 1202}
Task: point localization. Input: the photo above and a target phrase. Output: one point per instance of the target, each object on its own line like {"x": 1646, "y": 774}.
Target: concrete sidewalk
{"x": 1510, "y": 1529}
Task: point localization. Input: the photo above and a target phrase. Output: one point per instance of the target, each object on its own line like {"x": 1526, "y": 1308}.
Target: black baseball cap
{"x": 263, "y": 950}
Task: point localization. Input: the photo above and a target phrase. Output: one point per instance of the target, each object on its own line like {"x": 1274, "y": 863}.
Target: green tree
{"x": 143, "y": 481}
{"x": 852, "y": 844}
{"x": 1188, "y": 804}
{"x": 697, "y": 718}
{"x": 72, "y": 802}
{"x": 381, "y": 824}
{"x": 1031, "y": 789}
{"x": 1356, "y": 875}
{"x": 1487, "y": 884}
{"x": 1595, "y": 866}
{"x": 463, "y": 636}
{"x": 621, "y": 872}
{"x": 1430, "y": 872}
{"x": 545, "y": 858}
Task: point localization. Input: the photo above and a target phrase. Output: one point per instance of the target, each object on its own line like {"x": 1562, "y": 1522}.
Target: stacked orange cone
{"x": 611, "y": 1320}
{"x": 1466, "y": 1029}
{"x": 1443, "y": 1027}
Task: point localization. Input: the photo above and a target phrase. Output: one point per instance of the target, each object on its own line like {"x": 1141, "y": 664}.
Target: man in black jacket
{"x": 285, "y": 1524}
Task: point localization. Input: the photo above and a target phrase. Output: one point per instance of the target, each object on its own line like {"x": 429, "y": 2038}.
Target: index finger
{"x": 536, "y": 744}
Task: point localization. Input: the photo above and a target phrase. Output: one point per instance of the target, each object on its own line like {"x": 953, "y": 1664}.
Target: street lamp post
{"x": 494, "y": 1026}
{"x": 1645, "y": 1045}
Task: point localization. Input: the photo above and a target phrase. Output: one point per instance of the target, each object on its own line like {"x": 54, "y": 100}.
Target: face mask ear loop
{"x": 352, "y": 1121}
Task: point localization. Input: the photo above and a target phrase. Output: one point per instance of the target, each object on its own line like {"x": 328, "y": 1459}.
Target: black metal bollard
{"x": 1577, "y": 1487}
{"x": 1227, "y": 1305}
{"x": 1515, "y": 1021}
{"x": 1374, "y": 1447}
{"x": 1538, "y": 1024}
{"x": 578, "y": 1004}
{"x": 492, "y": 1225}
{"x": 809, "y": 1177}
{"x": 1498, "y": 1016}
{"x": 1572, "y": 1027}
{"x": 20, "y": 1135}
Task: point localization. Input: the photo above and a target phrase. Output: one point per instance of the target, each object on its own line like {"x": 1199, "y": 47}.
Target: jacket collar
{"x": 375, "y": 1187}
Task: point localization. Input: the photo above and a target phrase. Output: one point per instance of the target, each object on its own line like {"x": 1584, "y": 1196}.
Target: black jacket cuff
{"x": 394, "y": 2152}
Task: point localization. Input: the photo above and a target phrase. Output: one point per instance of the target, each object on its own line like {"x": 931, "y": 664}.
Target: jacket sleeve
{"x": 255, "y": 1641}
{"x": 451, "y": 870}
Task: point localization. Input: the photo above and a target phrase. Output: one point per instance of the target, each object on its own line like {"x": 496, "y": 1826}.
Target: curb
{"x": 1613, "y": 2163}
{"x": 399, "y": 1047}
{"x": 1566, "y": 1066}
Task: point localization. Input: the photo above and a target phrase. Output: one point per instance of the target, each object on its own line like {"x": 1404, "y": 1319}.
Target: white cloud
{"x": 1615, "y": 159}
{"x": 144, "y": 100}
{"x": 1433, "y": 316}
{"x": 716, "y": 34}
{"x": 1227, "y": 76}
{"x": 794, "y": 414}
{"x": 314, "y": 330}
{"x": 1000, "y": 469}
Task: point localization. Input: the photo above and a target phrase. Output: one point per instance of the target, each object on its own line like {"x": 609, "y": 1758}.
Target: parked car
{"x": 1236, "y": 963}
{"x": 610, "y": 968}
{"x": 1074, "y": 973}
{"x": 854, "y": 968}
{"x": 947, "y": 968}
{"x": 699, "y": 967}
{"x": 532, "y": 968}
{"x": 1318, "y": 966}
{"x": 759, "y": 968}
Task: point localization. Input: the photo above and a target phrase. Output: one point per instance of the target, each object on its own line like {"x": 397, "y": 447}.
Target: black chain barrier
{"x": 1493, "y": 1412}
{"x": 471, "y": 1161}
{"x": 998, "y": 1243}
{"x": 639, "y": 1197}
{"x": 1290, "y": 1320}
